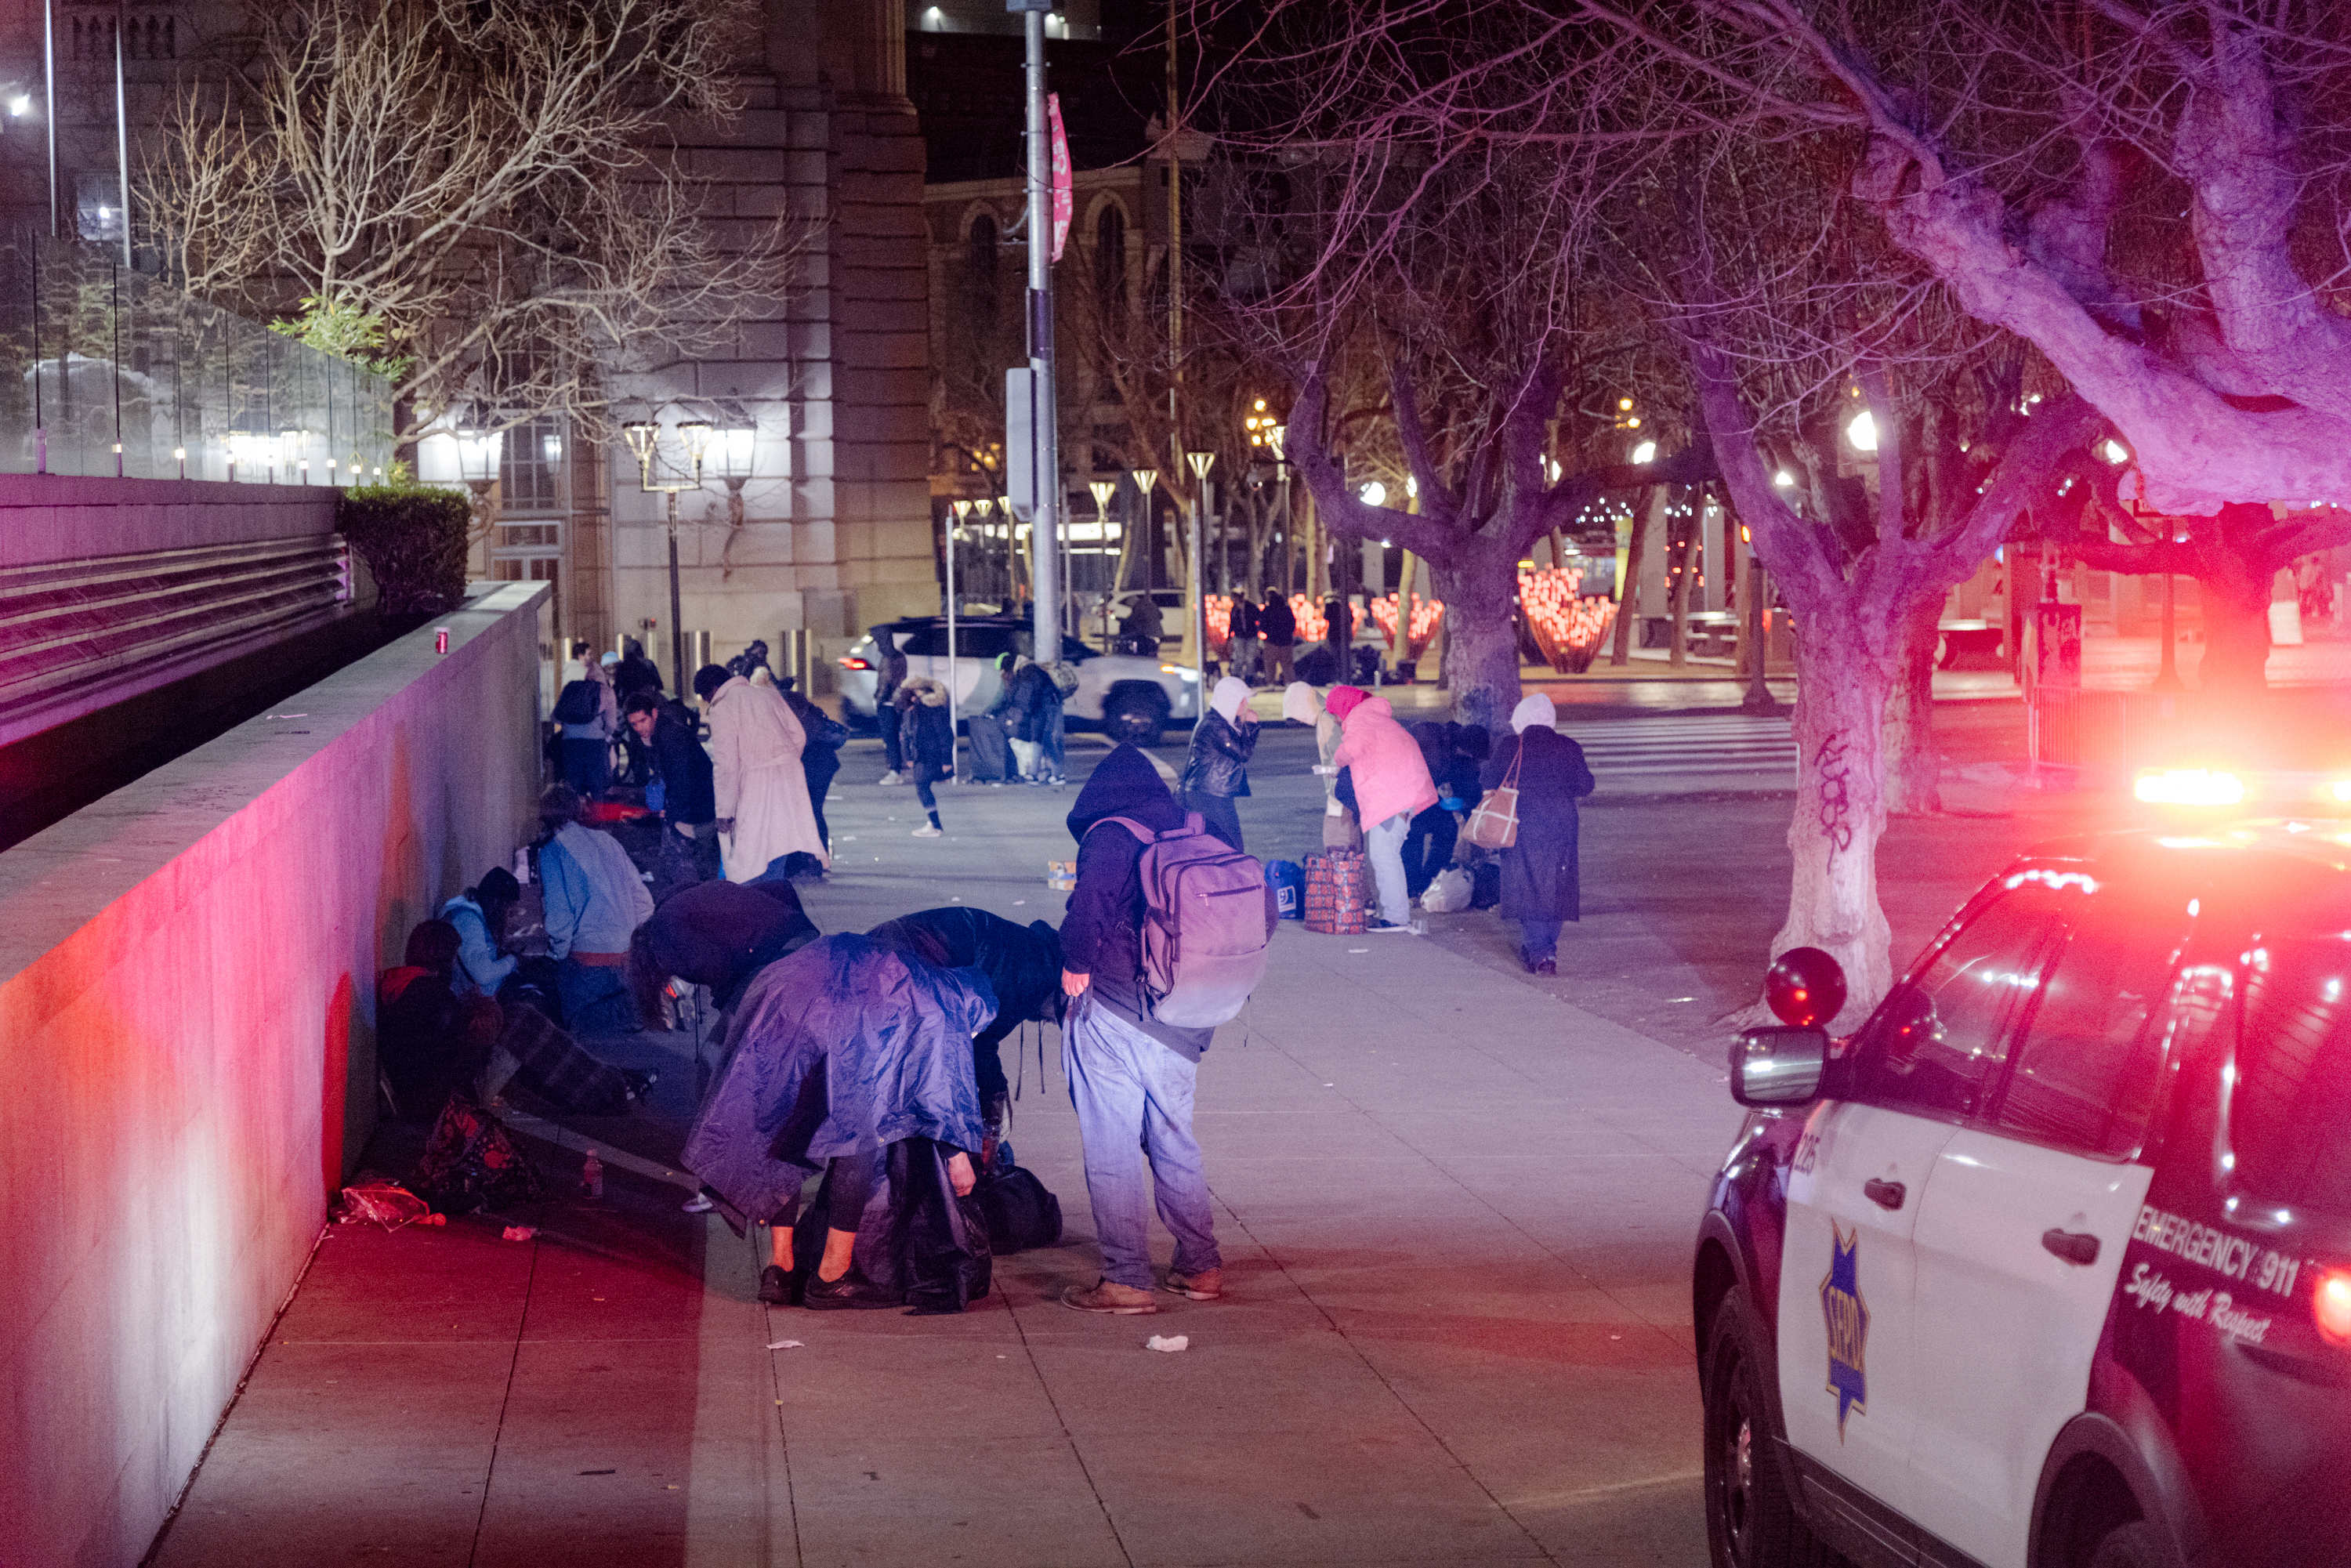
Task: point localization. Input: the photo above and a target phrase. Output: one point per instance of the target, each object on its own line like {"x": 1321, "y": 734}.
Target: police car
{"x": 2050, "y": 1264}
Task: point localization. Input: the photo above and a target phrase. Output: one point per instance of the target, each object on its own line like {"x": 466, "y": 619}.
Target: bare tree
{"x": 474, "y": 192}
{"x": 2150, "y": 192}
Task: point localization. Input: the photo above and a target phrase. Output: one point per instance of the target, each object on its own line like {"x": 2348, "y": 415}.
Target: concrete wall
{"x": 56, "y": 517}
{"x": 186, "y": 1003}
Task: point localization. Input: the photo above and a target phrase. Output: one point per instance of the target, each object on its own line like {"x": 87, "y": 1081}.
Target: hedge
{"x": 412, "y": 537}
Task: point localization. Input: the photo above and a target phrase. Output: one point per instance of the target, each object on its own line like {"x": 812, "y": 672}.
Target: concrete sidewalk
{"x": 1456, "y": 1213}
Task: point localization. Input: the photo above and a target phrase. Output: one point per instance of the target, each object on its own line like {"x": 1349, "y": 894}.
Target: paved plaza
{"x": 1455, "y": 1202}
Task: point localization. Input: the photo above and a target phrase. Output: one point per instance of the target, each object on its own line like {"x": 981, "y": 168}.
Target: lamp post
{"x": 1200, "y": 462}
{"x": 1102, "y": 489}
{"x": 1276, "y": 436}
{"x": 644, "y": 439}
{"x": 1145, "y": 478}
{"x": 479, "y": 450}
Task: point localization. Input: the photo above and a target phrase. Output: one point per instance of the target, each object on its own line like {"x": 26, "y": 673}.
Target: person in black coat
{"x": 1453, "y": 752}
{"x": 1215, "y": 774}
{"x": 1539, "y": 881}
{"x": 1023, "y": 965}
{"x": 689, "y": 841}
{"x": 1277, "y": 627}
{"x": 926, "y": 736}
{"x": 820, "y": 759}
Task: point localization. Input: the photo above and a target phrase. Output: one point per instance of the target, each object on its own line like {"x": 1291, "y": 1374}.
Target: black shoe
{"x": 774, "y": 1286}
{"x": 848, "y": 1293}
{"x": 1543, "y": 967}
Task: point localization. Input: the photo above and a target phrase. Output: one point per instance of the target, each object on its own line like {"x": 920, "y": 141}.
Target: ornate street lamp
{"x": 1102, "y": 489}
{"x": 1200, "y": 462}
{"x": 644, "y": 437}
{"x": 730, "y": 454}
{"x": 479, "y": 448}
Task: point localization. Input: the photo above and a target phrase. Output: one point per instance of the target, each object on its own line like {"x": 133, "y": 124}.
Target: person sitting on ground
{"x": 689, "y": 840}
{"x": 430, "y": 1042}
{"x": 1216, "y": 772}
{"x": 927, "y": 735}
{"x": 762, "y": 788}
{"x": 841, "y": 1049}
{"x": 1391, "y": 785}
{"x": 480, "y": 915}
{"x": 595, "y": 900}
{"x": 1023, "y": 965}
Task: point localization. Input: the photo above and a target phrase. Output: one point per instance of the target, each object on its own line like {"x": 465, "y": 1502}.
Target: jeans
{"x": 1383, "y": 846}
{"x": 1129, "y": 1089}
{"x": 1538, "y": 940}
{"x": 596, "y": 999}
{"x": 1049, "y": 745}
{"x": 587, "y": 764}
{"x": 925, "y": 774}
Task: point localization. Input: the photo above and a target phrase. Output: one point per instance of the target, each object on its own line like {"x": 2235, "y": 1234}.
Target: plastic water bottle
{"x": 591, "y": 1176}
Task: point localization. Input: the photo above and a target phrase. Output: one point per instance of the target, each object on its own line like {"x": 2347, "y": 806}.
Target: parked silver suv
{"x": 1131, "y": 696}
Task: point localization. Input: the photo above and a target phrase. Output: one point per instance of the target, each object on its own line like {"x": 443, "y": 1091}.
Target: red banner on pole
{"x": 1063, "y": 201}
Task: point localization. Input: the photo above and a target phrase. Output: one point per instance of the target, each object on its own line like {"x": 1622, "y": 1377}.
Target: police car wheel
{"x": 2137, "y": 1544}
{"x": 1749, "y": 1520}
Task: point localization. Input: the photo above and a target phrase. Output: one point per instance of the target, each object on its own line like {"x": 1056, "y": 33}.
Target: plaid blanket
{"x": 555, "y": 1068}
{"x": 470, "y": 1164}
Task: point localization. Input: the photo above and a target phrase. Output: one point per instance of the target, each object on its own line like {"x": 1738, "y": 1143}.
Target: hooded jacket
{"x": 1022, "y": 962}
{"x": 844, "y": 1045}
{"x": 1220, "y": 759}
{"x": 928, "y": 735}
{"x": 688, "y": 792}
{"x": 1389, "y": 777}
{"x": 722, "y": 934}
{"x": 1101, "y": 936}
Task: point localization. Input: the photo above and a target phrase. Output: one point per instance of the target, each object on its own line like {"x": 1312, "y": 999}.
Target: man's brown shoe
{"x": 1207, "y": 1285}
{"x": 1108, "y": 1296}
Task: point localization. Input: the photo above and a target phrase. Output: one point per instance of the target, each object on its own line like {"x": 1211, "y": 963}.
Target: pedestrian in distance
{"x": 927, "y": 736}
{"x": 1541, "y": 884}
{"x": 589, "y": 715}
{"x": 820, "y": 759}
{"x": 595, "y": 901}
{"x": 1391, "y": 785}
{"x": 886, "y": 681}
{"x": 1338, "y": 629}
{"x": 635, "y": 673}
{"x": 689, "y": 801}
{"x": 1276, "y": 628}
{"x": 755, "y": 746}
{"x": 1241, "y": 630}
{"x": 1131, "y": 1078}
{"x": 1216, "y": 772}
{"x": 1032, "y": 718}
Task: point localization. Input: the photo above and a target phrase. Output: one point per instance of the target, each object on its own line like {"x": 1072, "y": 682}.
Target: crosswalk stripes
{"x": 1683, "y": 745}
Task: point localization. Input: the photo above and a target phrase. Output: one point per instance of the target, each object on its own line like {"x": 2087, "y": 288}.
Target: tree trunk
{"x": 1841, "y": 692}
{"x": 1477, "y": 589}
{"x": 1914, "y": 763}
{"x": 1628, "y": 591}
{"x": 2233, "y": 588}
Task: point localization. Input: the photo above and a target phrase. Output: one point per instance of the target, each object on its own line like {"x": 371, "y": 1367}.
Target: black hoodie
{"x": 1102, "y": 935}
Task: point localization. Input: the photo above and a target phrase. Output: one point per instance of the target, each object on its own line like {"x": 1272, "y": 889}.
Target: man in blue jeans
{"x": 1130, "y": 1077}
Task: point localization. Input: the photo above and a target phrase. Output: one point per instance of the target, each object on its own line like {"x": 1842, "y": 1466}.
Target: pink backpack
{"x": 1208, "y": 915}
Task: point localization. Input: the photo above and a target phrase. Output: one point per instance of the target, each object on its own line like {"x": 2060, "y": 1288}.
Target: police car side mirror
{"x": 1779, "y": 1065}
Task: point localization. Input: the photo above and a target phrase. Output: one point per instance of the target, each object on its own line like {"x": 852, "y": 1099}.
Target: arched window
{"x": 980, "y": 249}
{"x": 1110, "y": 259}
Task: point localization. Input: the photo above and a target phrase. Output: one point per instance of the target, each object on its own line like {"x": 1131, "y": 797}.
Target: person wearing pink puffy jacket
{"x": 1391, "y": 784}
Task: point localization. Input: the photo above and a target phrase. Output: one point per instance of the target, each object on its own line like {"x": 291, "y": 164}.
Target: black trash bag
{"x": 916, "y": 1240}
{"x": 1019, "y": 1210}
{"x": 1486, "y": 884}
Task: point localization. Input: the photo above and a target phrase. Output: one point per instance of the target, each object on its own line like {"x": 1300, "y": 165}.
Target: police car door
{"x": 2023, "y": 1225}
{"x": 1849, "y": 1359}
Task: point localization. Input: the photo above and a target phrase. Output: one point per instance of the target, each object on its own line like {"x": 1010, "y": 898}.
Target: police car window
{"x": 2289, "y": 1103}
{"x": 1936, "y": 1045}
{"x": 2085, "y": 1074}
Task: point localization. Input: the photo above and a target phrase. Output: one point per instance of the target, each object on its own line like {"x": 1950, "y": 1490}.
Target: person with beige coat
{"x": 755, "y": 757}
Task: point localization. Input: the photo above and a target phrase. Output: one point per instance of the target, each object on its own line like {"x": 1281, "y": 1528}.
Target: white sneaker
{"x": 928, "y": 832}
{"x": 892, "y": 778}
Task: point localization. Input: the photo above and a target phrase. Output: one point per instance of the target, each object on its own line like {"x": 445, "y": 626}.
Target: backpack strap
{"x": 1143, "y": 833}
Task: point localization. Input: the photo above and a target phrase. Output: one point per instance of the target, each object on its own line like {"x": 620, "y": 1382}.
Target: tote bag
{"x": 1494, "y": 825}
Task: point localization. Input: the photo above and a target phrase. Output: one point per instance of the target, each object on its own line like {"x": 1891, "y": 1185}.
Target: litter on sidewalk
{"x": 1170, "y": 1344}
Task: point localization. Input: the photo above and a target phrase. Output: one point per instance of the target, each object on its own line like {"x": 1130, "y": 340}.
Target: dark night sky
{"x": 968, "y": 89}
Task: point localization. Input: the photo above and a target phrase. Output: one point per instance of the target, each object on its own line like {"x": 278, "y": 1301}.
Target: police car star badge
{"x": 1848, "y": 1324}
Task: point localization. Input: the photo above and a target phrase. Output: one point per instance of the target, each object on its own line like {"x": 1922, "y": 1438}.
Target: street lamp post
{"x": 1200, "y": 462}
{"x": 479, "y": 449}
{"x": 1145, "y": 478}
{"x": 645, "y": 440}
{"x": 1102, "y": 489}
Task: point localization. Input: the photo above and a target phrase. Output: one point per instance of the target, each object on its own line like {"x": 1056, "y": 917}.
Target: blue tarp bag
{"x": 1288, "y": 880}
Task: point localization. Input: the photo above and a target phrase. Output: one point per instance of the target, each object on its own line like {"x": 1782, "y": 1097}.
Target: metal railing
{"x": 107, "y": 371}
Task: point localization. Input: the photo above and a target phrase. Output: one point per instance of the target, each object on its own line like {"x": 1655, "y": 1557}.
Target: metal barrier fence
{"x": 104, "y": 372}
{"x": 2076, "y": 728}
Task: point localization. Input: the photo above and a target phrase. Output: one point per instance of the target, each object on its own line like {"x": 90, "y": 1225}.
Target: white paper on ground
{"x": 1169, "y": 1342}
{"x": 786, "y": 1345}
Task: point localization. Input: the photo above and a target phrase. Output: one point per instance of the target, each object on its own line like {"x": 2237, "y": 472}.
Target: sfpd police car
{"x": 2050, "y": 1264}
